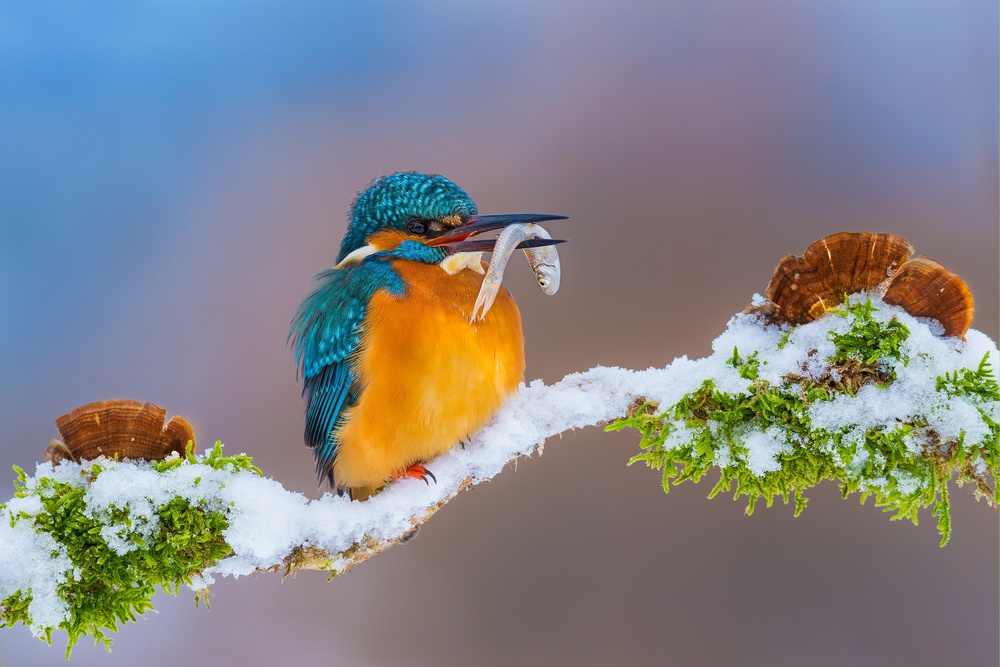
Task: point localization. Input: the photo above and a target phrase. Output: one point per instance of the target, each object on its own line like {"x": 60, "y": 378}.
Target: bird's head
{"x": 426, "y": 206}
{"x": 415, "y": 203}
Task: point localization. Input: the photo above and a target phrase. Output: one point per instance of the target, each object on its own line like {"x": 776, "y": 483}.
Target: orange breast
{"x": 429, "y": 378}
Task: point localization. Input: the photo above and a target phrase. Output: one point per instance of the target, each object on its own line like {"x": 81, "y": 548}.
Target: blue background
{"x": 173, "y": 173}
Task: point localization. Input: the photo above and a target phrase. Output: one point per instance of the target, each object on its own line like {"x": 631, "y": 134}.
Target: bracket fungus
{"x": 119, "y": 429}
{"x": 804, "y": 288}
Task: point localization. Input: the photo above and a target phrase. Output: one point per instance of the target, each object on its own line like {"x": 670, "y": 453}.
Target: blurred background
{"x": 173, "y": 173}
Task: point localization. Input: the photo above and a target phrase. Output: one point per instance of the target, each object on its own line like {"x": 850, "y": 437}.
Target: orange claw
{"x": 417, "y": 472}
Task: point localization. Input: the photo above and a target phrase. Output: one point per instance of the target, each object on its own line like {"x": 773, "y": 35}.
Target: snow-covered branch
{"x": 66, "y": 518}
{"x": 774, "y": 410}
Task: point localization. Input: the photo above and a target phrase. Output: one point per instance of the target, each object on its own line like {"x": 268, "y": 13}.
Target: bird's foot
{"x": 418, "y": 472}
{"x": 465, "y": 441}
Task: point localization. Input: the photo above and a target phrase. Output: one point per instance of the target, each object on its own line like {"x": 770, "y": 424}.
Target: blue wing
{"x": 326, "y": 332}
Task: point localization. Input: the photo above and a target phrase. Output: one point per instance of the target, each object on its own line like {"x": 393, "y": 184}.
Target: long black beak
{"x": 478, "y": 224}
{"x": 486, "y": 245}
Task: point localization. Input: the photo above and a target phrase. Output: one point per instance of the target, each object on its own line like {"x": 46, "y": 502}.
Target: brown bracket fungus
{"x": 804, "y": 288}
{"x": 119, "y": 429}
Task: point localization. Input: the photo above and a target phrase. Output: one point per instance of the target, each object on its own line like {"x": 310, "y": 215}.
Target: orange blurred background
{"x": 172, "y": 175}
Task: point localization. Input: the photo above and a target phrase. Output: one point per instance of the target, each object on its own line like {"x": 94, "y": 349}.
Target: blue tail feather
{"x": 326, "y": 396}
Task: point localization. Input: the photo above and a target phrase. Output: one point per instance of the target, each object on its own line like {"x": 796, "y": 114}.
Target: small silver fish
{"x": 544, "y": 261}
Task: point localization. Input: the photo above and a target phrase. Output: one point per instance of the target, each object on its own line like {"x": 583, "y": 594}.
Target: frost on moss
{"x": 107, "y": 559}
{"x": 851, "y": 397}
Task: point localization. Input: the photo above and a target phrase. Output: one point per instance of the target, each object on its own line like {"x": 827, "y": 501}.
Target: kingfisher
{"x": 395, "y": 369}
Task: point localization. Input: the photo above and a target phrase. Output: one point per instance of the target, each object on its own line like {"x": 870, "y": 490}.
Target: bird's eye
{"x": 416, "y": 227}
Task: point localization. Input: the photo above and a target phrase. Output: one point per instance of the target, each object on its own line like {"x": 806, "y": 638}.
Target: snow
{"x": 763, "y": 448}
{"x": 33, "y": 561}
{"x": 267, "y": 521}
{"x": 906, "y": 483}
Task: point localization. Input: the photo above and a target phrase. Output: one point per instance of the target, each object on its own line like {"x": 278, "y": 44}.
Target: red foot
{"x": 417, "y": 472}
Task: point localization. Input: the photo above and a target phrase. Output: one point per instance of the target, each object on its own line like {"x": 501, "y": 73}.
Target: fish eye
{"x": 416, "y": 226}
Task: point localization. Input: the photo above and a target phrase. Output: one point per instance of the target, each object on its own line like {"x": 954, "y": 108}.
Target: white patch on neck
{"x": 452, "y": 264}
{"x": 356, "y": 256}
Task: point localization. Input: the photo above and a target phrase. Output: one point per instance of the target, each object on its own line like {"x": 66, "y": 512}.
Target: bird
{"x": 394, "y": 369}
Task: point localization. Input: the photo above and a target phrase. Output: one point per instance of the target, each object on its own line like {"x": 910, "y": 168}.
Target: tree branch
{"x": 871, "y": 398}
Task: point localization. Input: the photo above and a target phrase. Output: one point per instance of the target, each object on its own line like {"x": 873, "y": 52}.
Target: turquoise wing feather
{"x": 326, "y": 332}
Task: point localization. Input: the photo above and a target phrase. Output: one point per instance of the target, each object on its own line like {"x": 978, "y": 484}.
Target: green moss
{"x": 107, "y": 588}
{"x": 981, "y": 383}
{"x": 748, "y": 369}
{"x": 868, "y": 340}
{"x": 905, "y": 468}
